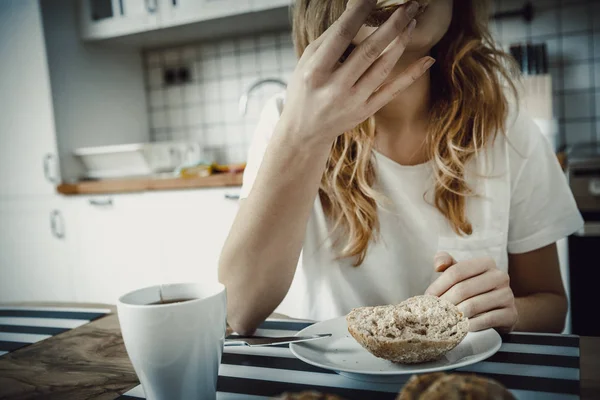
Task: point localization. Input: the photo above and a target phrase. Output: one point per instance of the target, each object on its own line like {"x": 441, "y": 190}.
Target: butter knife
{"x": 271, "y": 341}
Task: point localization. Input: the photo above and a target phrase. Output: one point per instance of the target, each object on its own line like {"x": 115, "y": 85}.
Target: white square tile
{"x": 267, "y": 40}
{"x": 158, "y": 119}
{"x": 214, "y": 137}
{"x": 229, "y": 65}
{"x": 596, "y": 40}
{"x": 557, "y": 77}
{"x": 155, "y": 77}
{"x": 189, "y": 53}
{"x": 576, "y": 48}
{"x": 210, "y": 69}
{"x": 212, "y": 113}
{"x": 598, "y": 105}
{"x": 191, "y": 94}
{"x": 554, "y": 51}
{"x": 156, "y": 98}
{"x": 268, "y": 60}
{"x": 557, "y": 108}
{"x": 578, "y": 132}
{"x": 596, "y": 67}
{"x": 288, "y": 58}
{"x": 176, "y": 119}
{"x": 248, "y": 63}
{"x": 247, "y": 43}
{"x": 285, "y": 39}
{"x": 179, "y": 134}
{"x": 230, "y": 89}
{"x": 210, "y": 92}
{"x": 207, "y": 49}
{"x": 226, "y": 46}
{"x": 575, "y": 18}
{"x": 513, "y": 31}
{"x": 578, "y": 105}
{"x": 172, "y": 57}
{"x": 153, "y": 58}
{"x": 577, "y": 76}
{"x": 230, "y": 112}
{"x": 174, "y": 96}
{"x": 196, "y": 134}
{"x": 545, "y": 21}
{"x": 194, "y": 115}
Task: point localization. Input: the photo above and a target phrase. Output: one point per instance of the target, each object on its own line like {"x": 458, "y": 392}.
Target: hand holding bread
{"x": 479, "y": 289}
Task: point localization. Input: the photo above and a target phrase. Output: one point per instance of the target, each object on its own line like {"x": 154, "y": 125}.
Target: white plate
{"x": 343, "y": 354}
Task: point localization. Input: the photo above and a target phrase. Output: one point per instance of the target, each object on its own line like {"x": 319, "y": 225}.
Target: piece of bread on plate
{"x": 420, "y": 329}
{"x": 441, "y": 386}
{"x": 385, "y": 8}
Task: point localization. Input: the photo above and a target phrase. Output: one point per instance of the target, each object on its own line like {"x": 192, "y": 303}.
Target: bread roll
{"x": 440, "y": 386}
{"x": 420, "y": 329}
{"x": 385, "y": 9}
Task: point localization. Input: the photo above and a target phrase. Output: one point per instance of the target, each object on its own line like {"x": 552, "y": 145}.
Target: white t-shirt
{"x": 523, "y": 203}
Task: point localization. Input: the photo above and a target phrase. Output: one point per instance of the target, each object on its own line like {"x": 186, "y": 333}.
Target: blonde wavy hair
{"x": 470, "y": 107}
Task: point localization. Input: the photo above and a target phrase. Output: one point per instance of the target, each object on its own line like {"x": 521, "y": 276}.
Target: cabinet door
{"x": 260, "y": 5}
{"x": 35, "y": 250}
{"x": 117, "y": 247}
{"x": 27, "y": 133}
{"x": 177, "y": 12}
{"x": 102, "y": 19}
{"x": 194, "y": 226}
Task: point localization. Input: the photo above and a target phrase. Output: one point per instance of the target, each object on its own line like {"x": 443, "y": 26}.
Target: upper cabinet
{"x": 147, "y": 23}
{"x": 103, "y": 19}
{"x": 178, "y": 12}
{"x": 28, "y": 159}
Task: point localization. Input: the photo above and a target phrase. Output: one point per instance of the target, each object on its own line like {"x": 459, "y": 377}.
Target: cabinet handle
{"x": 48, "y": 158}
{"x": 232, "y": 196}
{"x": 151, "y": 6}
{"x": 55, "y": 216}
{"x": 101, "y": 203}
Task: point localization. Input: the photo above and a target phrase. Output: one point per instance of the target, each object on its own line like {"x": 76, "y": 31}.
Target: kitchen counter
{"x": 112, "y": 186}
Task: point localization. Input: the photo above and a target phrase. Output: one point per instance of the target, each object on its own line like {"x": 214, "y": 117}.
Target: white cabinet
{"x": 193, "y": 228}
{"x": 28, "y": 163}
{"x": 117, "y": 247}
{"x": 35, "y": 250}
{"x": 179, "y": 12}
{"x": 102, "y": 19}
{"x": 259, "y": 5}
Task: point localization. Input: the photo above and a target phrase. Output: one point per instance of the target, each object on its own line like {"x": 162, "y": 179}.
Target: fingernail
{"x": 412, "y": 9}
{"x": 428, "y": 63}
{"x": 411, "y": 27}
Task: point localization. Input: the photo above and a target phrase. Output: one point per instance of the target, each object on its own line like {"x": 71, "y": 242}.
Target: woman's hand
{"x": 480, "y": 290}
{"x": 326, "y": 98}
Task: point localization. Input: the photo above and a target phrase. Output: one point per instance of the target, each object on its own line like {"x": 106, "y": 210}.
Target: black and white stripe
{"x": 22, "y": 326}
{"x": 532, "y": 367}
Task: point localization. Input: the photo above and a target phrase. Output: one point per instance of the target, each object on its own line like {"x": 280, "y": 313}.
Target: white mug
{"x": 175, "y": 348}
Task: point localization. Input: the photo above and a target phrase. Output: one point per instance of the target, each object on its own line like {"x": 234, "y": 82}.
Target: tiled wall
{"x": 571, "y": 30}
{"x": 206, "y": 109}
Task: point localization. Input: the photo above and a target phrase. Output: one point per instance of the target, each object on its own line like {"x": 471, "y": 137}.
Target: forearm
{"x": 541, "y": 312}
{"x": 259, "y": 258}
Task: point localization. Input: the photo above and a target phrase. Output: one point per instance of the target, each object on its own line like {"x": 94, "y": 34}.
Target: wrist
{"x": 296, "y": 136}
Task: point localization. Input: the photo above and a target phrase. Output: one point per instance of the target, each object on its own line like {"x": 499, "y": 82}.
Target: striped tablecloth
{"x": 532, "y": 367}
{"x": 22, "y": 326}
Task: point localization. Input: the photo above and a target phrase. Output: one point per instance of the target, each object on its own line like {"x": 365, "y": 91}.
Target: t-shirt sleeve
{"x": 542, "y": 208}
{"x": 263, "y": 132}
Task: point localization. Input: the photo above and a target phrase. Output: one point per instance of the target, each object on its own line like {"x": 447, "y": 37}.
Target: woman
{"x": 382, "y": 175}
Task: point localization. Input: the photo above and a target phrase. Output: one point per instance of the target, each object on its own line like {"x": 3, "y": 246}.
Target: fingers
{"x": 340, "y": 34}
{"x": 495, "y": 299}
{"x": 442, "y": 261}
{"x": 458, "y": 273}
{"x": 390, "y": 90}
{"x": 399, "y": 25}
{"x": 488, "y": 281}
{"x": 505, "y": 318}
{"x": 377, "y": 73}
